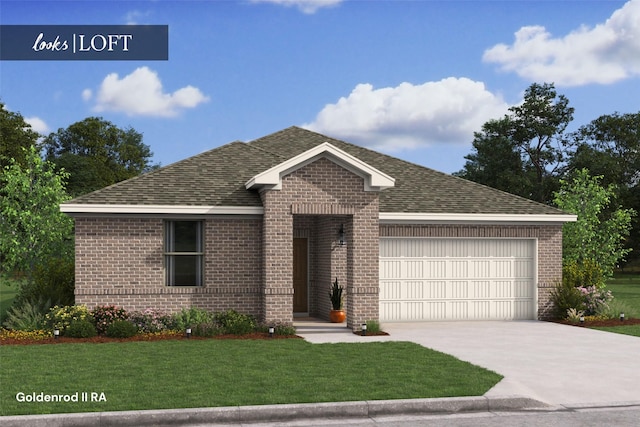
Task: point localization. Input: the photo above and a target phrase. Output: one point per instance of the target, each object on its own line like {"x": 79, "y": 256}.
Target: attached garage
{"x": 423, "y": 279}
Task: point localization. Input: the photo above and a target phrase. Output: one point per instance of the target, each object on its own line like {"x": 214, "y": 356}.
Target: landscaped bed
{"x": 185, "y": 373}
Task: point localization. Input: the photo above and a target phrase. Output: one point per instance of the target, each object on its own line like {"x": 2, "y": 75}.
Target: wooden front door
{"x": 300, "y": 273}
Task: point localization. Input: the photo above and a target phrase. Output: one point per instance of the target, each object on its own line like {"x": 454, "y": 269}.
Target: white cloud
{"x": 411, "y": 116}
{"x": 38, "y": 125}
{"x": 87, "y": 94}
{"x": 141, "y": 94}
{"x": 306, "y": 6}
{"x": 603, "y": 54}
{"x": 133, "y": 17}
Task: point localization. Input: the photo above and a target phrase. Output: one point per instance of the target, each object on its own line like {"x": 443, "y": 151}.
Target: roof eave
{"x": 473, "y": 218}
{"x": 76, "y": 209}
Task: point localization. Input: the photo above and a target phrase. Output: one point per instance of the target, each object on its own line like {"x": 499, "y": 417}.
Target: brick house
{"x": 264, "y": 227}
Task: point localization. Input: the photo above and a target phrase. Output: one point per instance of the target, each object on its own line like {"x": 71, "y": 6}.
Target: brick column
{"x": 362, "y": 266}
{"x": 277, "y": 250}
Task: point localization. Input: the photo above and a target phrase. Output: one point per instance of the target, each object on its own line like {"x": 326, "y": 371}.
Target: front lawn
{"x": 626, "y": 287}
{"x": 626, "y": 329}
{"x": 208, "y": 373}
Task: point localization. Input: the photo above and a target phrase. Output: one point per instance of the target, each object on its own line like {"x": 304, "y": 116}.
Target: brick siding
{"x": 335, "y": 196}
{"x": 120, "y": 261}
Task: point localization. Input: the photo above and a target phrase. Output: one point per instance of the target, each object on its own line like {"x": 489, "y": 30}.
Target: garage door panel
{"x": 435, "y": 289}
{"x": 456, "y": 279}
{"x": 391, "y": 290}
{"x": 481, "y": 289}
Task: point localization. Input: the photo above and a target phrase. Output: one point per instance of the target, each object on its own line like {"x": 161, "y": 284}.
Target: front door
{"x": 300, "y": 273}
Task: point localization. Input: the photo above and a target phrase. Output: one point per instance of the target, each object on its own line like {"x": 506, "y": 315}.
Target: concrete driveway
{"x": 557, "y": 364}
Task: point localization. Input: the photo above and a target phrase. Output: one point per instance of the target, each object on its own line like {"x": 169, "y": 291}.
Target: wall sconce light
{"x": 342, "y": 240}
{"x": 271, "y": 331}
{"x": 56, "y": 334}
{"x": 622, "y": 317}
{"x": 364, "y": 329}
{"x": 188, "y": 333}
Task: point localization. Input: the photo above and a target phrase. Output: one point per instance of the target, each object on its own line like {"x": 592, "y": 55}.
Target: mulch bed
{"x": 102, "y": 339}
{"x": 609, "y": 322}
{"x": 371, "y": 334}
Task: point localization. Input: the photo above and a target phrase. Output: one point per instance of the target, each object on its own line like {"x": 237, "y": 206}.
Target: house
{"x": 264, "y": 228}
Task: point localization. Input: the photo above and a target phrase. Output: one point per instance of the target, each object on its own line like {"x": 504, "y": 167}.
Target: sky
{"x": 413, "y": 79}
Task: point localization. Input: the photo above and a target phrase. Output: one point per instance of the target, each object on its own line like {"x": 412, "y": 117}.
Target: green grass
{"x": 626, "y": 292}
{"x": 626, "y": 287}
{"x": 208, "y": 373}
{"x": 626, "y": 330}
{"x": 8, "y": 292}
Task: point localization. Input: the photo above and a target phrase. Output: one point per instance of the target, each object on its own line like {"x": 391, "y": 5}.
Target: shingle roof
{"x": 217, "y": 178}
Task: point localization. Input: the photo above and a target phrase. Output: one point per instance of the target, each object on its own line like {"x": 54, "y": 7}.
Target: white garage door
{"x": 456, "y": 279}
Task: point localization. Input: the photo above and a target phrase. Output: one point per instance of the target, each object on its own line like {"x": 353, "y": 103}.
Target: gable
{"x": 374, "y": 180}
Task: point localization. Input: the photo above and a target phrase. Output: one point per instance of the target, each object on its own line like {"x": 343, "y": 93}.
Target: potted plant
{"x": 337, "y": 314}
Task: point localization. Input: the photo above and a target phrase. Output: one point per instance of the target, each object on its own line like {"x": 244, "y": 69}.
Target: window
{"x": 183, "y": 253}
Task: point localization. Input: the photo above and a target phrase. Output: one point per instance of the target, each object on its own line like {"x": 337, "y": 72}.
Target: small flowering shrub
{"x": 61, "y": 317}
{"x": 595, "y": 300}
{"x": 105, "y": 315}
{"x": 151, "y": 320}
{"x": 25, "y": 335}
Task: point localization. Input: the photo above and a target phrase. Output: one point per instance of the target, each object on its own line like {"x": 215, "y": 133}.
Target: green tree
{"x": 15, "y": 135}
{"x": 535, "y": 132}
{"x": 494, "y": 160}
{"x": 96, "y": 153}
{"x": 595, "y": 236}
{"x": 32, "y": 228}
{"x": 610, "y": 146}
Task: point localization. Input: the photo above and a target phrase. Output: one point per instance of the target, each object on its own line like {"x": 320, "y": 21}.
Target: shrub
{"x": 54, "y": 280}
{"x": 583, "y": 274}
{"x": 121, "y": 329}
{"x": 278, "y": 328}
{"x": 27, "y": 316}
{"x": 151, "y": 320}
{"x": 61, "y": 317}
{"x": 574, "y": 315}
{"x": 81, "y": 329}
{"x": 595, "y": 300}
{"x": 207, "y": 329}
{"x": 190, "y": 318}
{"x": 616, "y": 306}
{"x": 373, "y": 326}
{"x": 235, "y": 323}
{"x": 105, "y": 315}
{"x": 565, "y": 297}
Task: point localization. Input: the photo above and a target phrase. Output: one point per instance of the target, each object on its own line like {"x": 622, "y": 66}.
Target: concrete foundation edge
{"x": 275, "y": 413}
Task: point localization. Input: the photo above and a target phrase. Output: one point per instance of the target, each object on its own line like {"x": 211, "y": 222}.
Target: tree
{"x": 595, "y": 236}
{"x": 96, "y": 153}
{"x": 494, "y": 161}
{"x": 32, "y": 228}
{"x": 15, "y": 135}
{"x": 535, "y": 132}
{"x": 610, "y": 146}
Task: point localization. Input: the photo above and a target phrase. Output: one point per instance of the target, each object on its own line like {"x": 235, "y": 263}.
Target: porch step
{"x": 309, "y": 325}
